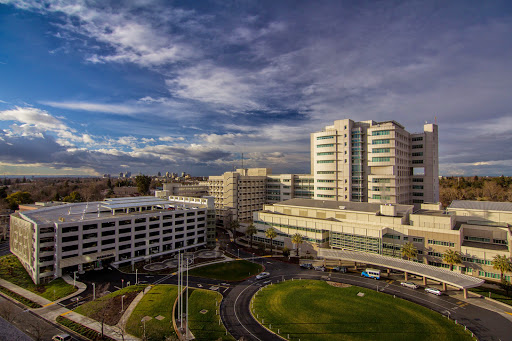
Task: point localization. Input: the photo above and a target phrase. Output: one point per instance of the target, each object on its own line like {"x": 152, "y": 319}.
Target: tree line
{"x": 475, "y": 188}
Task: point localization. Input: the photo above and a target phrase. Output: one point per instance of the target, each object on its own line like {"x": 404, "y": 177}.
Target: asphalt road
{"x": 28, "y": 323}
{"x": 486, "y": 325}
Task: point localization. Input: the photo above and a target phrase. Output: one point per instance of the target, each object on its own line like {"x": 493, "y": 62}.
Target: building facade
{"x": 52, "y": 241}
{"x": 478, "y": 230}
{"x": 376, "y": 162}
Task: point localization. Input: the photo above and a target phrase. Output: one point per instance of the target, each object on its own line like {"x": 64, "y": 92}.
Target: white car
{"x": 263, "y": 275}
{"x": 410, "y": 285}
{"x": 434, "y": 291}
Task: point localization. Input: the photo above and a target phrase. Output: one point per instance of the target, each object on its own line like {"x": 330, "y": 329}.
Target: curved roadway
{"x": 486, "y": 324}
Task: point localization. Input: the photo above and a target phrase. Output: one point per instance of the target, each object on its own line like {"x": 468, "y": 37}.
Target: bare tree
{"x": 8, "y": 312}
{"x": 36, "y": 328}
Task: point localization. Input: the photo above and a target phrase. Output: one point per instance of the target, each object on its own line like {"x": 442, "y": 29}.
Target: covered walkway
{"x": 427, "y": 271}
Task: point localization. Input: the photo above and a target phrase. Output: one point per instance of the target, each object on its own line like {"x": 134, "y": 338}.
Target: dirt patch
{"x": 339, "y": 285}
{"x": 111, "y": 312}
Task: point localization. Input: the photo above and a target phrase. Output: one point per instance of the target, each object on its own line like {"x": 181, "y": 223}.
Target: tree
{"x": 506, "y": 285}
{"x": 452, "y": 257}
{"x": 234, "y": 226}
{"x": 409, "y": 250}
{"x": 73, "y": 197}
{"x": 297, "y": 240}
{"x": 286, "y": 252}
{"x": 18, "y": 198}
{"x": 271, "y": 233}
{"x": 143, "y": 182}
{"x": 501, "y": 263}
{"x": 251, "y": 231}
{"x": 109, "y": 184}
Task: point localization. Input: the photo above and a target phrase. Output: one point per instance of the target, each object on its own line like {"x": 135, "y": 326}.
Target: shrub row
{"x": 20, "y": 298}
{"x": 82, "y": 330}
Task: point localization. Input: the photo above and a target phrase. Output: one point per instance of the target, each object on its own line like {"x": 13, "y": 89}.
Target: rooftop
{"x": 432, "y": 212}
{"x": 342, "y": 205}
{"x": 101, "y": 209}
{"x": 481, "y": 205}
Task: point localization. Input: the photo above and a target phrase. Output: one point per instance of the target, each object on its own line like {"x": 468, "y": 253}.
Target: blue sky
{"x": 93, "y": 87}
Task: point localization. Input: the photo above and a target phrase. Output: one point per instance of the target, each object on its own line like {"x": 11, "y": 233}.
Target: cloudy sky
{"x": 93, "y": 87}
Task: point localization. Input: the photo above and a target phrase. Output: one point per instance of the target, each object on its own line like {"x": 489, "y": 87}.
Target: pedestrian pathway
{"x": 131, "y": 307}
{"x": 25, "y": 293}
{"x": 51, "y": 310}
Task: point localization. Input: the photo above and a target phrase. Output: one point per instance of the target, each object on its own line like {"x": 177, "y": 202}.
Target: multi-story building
{"x": 377, "y": 162}
{"x": 184, "y": 189}
{"x": 51, "y": 241}
{"x": 238, "y": 194}
{"x": 478, "y": 230}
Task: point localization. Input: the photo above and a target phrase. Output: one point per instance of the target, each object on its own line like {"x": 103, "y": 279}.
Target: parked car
{"x": 320, "y": 268}
{"x": 306, "y": 265}
{"x": 61, "y": 337}
{"x": 434, "y": 291}
{"x": 410, "y": 285}
{"x": 342, "y": 269}
{"x": 263, "y": 275}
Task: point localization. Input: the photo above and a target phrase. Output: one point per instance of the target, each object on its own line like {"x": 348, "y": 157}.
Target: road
{"x": 28, "y": 323}
{"x": 486, "y": 324}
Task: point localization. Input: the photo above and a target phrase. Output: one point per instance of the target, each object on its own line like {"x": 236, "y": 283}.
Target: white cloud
{"x": 171, "y": 139}
{"x": 96, "y": 107}
{"x": 33, "y": 116}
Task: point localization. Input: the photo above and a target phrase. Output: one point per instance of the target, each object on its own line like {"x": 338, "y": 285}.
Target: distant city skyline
{"x": 145, "y": 86}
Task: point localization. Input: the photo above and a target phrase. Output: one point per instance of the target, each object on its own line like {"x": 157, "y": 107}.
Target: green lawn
{"x": 108, "y": 307}
{"x": 206, "y": 326}
{"x": 11, "y": 270}
{"x": 158, "y": 301}
{"x": 230, "y": 271}
{"x": 496, "y": 294}
{"x": 314, "y": 310}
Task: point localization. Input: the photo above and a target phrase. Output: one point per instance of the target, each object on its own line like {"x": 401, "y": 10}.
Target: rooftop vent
{"x": 341, "y": 207}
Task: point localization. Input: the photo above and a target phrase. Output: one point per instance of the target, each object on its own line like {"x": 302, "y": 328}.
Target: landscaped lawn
{"x": 229, "y": 271}
{"x": 315, "y": 310}
{"x": 11, "y": 270}
{"x": 108, "y": 308}
{"x": 157, "y": 301}
{"x": 205, "y": 326}
{"x": 496, "y": 294}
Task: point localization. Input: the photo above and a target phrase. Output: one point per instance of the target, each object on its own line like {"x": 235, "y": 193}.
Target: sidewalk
{"x": 51, "y": 310}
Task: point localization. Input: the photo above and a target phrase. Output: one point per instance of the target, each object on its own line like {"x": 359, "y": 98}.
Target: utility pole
{"x": 186, "y": 310}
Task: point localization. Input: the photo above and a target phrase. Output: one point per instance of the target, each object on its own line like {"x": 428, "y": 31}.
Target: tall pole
{"x": 93, "y": 291}
{"x": 186, "y": 310}
{"x": 136, "y": 281}
{"x": 181, "y": 289}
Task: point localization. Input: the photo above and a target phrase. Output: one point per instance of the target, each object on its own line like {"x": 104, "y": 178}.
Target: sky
{"x": 95, "y": 87}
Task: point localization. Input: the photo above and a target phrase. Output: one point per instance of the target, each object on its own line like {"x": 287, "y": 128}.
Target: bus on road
{"x": 371, "y": 273}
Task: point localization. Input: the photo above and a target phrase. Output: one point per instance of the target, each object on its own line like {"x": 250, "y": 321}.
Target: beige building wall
{"x": 372, "y": 161}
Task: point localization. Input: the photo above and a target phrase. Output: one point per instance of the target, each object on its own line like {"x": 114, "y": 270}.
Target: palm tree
{"x": 297, "y": 240}
{"x": 501, "y": 263}
{"x": 452, "y": 257}
{"x": 251, "y": 231}
{"x": 234, "y": 226}
{"x": 409, "y": 250}
{"x": 271, "y": 233}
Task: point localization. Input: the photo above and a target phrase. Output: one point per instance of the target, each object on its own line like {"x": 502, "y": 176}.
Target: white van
{"x": 61, "y": 337}
{"x": 371, "y": 273}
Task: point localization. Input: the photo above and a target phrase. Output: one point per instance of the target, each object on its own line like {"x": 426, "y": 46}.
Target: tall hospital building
{"x": 368, "y": 161}
{"x": 375, "y": 162}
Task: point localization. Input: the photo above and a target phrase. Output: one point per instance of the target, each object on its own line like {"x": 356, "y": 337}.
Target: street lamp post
{"x": 136, "y": 276}
{"x": 93, "y": 291}
{"x": 74, "y": 278}
{"x": 122, "y": 302}
{"x": 122, "y": 283}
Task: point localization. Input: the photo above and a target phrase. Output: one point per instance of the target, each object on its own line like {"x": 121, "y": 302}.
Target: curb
{"x": 509, "y": 307}
{"x": 255, "y": 319}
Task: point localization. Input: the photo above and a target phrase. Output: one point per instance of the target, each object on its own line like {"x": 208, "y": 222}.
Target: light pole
{"x": 122, "y": 283}
{"x": 186, "y": 310}
{"x": 74, "y": 278}
{"x": 144, "y": 324}
{"x": 136, "y": 276}
{"x": 93, "y": 291}
{"x": 122, "y": 302}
